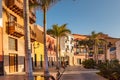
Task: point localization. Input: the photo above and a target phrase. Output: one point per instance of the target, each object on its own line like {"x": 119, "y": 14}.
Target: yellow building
{"x": 11, "y": 18}
{"x": 12, "y": 52}
{"x": 38, "y": 48}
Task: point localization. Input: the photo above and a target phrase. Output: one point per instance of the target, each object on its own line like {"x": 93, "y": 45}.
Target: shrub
{"x": 110, "y": 69}
{"x": 90, "y": 63}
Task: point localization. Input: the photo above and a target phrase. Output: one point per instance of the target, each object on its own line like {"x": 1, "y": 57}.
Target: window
{"x": 85, "y": 50}
{"x": 35, "y": 60}
{"x": 12, "y": 44}
{"x": 54, "y": 48}
{"x": 67, "y": 47}
{"x": 71, "y": 48}
{"x": 41, "y": 63}
{"x": 79, "y": 61}
{"x": 71, "y": 41}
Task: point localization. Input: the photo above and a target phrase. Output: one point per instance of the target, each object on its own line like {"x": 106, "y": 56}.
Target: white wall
{"x": 1, "y": 13}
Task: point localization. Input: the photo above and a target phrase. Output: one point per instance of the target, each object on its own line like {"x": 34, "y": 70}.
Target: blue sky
{"x": 85, "y": 16}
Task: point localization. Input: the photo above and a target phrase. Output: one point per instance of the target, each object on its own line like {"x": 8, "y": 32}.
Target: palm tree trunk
{"x": 46, "y": 71}
{"x": 59, "y": 53}
{"x": 28, "y": 61}
{"x": 86, "y": 51}
{"x": 105, "y": 52}
{"x": 57, "y": 48}
{"x": 96, "y": 54}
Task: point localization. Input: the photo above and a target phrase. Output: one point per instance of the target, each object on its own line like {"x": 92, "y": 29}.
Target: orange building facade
{"x": 1, "y": 52}
{"x": 38, "y": 49}
{"x": 51, "y": 49}
{"x": 80, "y": 53}
{"x": 12, "y": 35}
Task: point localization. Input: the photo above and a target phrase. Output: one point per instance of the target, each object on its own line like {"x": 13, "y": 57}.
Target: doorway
{"x": 13, "y": 62}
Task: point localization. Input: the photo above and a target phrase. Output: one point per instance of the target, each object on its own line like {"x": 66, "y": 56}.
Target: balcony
{"x": 32, "y": 35}
{"x": 32, "y": 17}
{"x": 15, "y": 29}
{"x": 16, "y": 6}
{"x": 32, "y": 1}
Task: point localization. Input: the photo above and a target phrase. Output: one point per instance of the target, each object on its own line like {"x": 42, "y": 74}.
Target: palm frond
{"x": 59, "y": 31}
{"x": 42, "y": 4}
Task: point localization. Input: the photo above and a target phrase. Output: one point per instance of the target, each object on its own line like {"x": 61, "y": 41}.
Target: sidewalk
{"x": 37, "y": 75}
{"x": 80, "y": 73}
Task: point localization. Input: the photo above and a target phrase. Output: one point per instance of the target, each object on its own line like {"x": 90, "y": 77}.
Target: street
{"x": 37, "y": 75}
{"x": 71, "y": 73}
{"x": 78, "y": 73}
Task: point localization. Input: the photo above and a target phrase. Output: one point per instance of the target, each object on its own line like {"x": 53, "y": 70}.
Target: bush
{"x": 89, "y": 64}
{"x": 110, "y": 69}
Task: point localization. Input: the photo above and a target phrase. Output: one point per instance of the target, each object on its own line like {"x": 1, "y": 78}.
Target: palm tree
{"x": 95, "y": 38}
{"x": 104, "y": 43}
{"x": 44, "y": 5}
{"x": 58, "y": 32}
{"x": 85, "y": 44}
{"x": 28, "y": 61}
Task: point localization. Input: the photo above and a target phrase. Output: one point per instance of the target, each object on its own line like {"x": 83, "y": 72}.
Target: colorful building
{"x": 118, "y": 50}
{"x": 51, "y": 50}
{"x": 12, "y": 23}
{"x": 1, "y": 40}
{"x": 67, "y": 49}
{"x": 38, "y": 49}
{"x": 80, "y": 52}
{"x": 112, "y": 48}
{"x": 1, "y": 52}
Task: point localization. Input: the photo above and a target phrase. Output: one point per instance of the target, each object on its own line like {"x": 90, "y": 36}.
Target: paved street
{"x": 71, "y": 73}
{"x": 78, "y": 73}
{"x": 21, "y": 76}
{"x": 37, "y": 74}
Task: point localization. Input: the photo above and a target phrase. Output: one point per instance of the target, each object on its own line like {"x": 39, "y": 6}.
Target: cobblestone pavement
{"x": 79, "y": 73}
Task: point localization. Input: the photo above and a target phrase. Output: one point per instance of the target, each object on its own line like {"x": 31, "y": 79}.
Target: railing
{"x": 32, "y": 17}
{"x": 15, "y": 29}
{"x": 32, "y": 35}
{"x": 16, "y": 6}
{"x": 15, "y": 3}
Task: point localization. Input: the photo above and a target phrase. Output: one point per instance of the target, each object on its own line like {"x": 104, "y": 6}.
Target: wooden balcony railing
{"x": 16, "y": 6}
{"x": 32, "y": 35}
{"x": 32, "y": 17}
{"x": 15, "y": 29}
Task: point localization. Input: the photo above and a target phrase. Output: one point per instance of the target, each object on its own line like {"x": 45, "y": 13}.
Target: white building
{"x": 67, "y": 48}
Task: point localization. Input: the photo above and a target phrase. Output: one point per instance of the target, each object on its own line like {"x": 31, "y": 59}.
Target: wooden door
{"x": 11, "y": 63}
